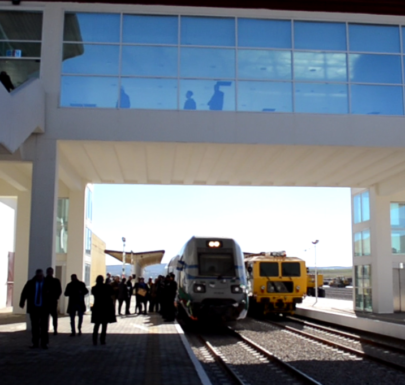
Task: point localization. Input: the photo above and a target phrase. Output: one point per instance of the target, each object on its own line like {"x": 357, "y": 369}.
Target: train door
{"x": 399, "y": 290}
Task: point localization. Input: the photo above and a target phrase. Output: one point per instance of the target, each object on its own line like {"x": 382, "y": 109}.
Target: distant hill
{"x": 150, "y": 271}
{"x": 331, "y": 268}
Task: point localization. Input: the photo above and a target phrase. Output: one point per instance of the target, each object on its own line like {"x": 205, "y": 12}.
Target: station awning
{"x": 143, "y": 259}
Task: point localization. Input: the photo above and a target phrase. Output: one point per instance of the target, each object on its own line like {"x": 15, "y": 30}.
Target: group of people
{"x": 152, "y": 296}
{"x": 43, "y": 292}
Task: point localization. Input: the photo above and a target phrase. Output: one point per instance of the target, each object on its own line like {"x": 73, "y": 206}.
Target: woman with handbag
{"x": 102, "y": 312}
{"x": 141, "y": 292}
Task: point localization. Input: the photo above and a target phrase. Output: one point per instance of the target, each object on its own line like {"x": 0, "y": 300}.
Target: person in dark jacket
{"x": 36, "y": 294}
{"x": 54, "y": 290}
{"x": 128, "y": 300}
{"x": 141, "y": 290}
{"x": 122, "y": 294}
{"x": 76, "y": 290}
{"x": 169, "y": 298}
{"x": 102, "y": 312}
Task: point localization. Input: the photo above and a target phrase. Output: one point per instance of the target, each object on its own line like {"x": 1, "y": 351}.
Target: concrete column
{"x": 44, "y": 199}
{"x": 381, "y": 267}
{"x": 22, "y": 237}
{"x": 75, "y": 248}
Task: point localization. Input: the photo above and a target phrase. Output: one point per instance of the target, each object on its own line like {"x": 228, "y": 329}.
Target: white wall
{"x": 7, "y": 230}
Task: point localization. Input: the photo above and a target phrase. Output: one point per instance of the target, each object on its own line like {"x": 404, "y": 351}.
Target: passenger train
{"x": 276, "y": 283}
{"x": 211, "y": 279}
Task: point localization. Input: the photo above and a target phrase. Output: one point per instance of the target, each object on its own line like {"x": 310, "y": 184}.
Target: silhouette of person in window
{"x": 216, "y": 102}
{"x": 190, "y": 102}
{"x": 6, "y": 81}
{"x": 125, "y": 101}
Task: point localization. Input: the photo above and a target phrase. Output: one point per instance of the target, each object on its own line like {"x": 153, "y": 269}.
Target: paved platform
{"x": 341, "y": 312}
{"x": 140, "y": 349}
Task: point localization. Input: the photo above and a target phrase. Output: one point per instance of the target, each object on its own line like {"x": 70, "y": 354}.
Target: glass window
{"x": 397, "y": 215}
{"x": 89, "y": 204}
{"x": 264, "y": 33}
{"x": 320, "y": 36}
{"x": 358, "y": 245}
{"x": 264, "y": 96}
{"x": 320, "y": 66}
{"x": 374, "y": 38}
{"x": 321, "y": 98}
{"x": 149, "y": 61}
{"x": 216, "y": 264}
{"x": 366, "y": 242}
{"x": 17, "y": 25}
{"x": 214, "y": 31}
{"x": 398, "y": 241}
{"x": 264, "y": 64}
{"x": 18, "y": 49}
{"x": 362, "y": 289}
{"x": 157, "y": 94}
{"x": 19, "y": 71}
{"x": 92, "y": 27}
{"x": 94, "y": 60}
{"x": 269, "y": 269}
{"x": 357, "y": 208}
{"x": 87, "y": 240}
{"x": 62, "y": 219}
{"x": 290, "y": 269}
{"x": 87, "y": 269}
{"x": 94, "y": 91}
{"x": 207, "y": 63}
{"x": 398, "y": 228}
{"x": 376, "y": 100}
{"x": 375, "y": 69}
{"x": 207, "y": 95}
{"x": 365, "y": 206}
{"x": 147, "y": 29}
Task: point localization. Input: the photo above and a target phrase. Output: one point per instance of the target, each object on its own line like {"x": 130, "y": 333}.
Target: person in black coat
{"x": 76, "y": 290}
{"x": 128, "y": 300}
{"x": 102, "y": 312}
{"x": 54, "y": 290}
{"x": 122, "y": 294}
{"x": 170, "y": 293}
{"x": 36, "y": 294}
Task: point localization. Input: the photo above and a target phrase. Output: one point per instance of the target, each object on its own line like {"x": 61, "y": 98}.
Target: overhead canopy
{"x": 142, "y": 259}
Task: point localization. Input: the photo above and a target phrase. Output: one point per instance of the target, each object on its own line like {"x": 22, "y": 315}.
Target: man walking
{"x": 35, "y": 293}
{"x": 76, "y": 290}
{"x": 54, "y": 290}
{"x": 128, "y": 300}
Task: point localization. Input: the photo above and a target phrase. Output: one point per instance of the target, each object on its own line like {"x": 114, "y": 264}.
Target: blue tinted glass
{"x": 365, "y": 206}
{"x": 207, "y": 95}
{"x": 260, "y": 64}
{"x": 213, "y": 31}
{"x": 375, "y": 68}
{"x": 264, "y": 33}
{"x": 92, "y": 27}
{"x": 320, "y": 66}
{"x": 357, "y": 208}
{"x": 321, "y": 98}
{"x": 373, "y": 38}
{"x": 158, "y": 94}
{"x": 150, "y": 29}
{"x": 92, "y": 59}
{"x": 149, "y": 61}
{"x": 207, "y": 62}
{"x": 329, "y": 36}
{"x": 264, "y": 96}
{"x": 80, "y": 91}
{"x": 376, "y": 100}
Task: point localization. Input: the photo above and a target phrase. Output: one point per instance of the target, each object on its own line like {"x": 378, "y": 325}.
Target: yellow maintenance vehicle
{"x": 276, "y": 283}
{"x": 311, "y": 285}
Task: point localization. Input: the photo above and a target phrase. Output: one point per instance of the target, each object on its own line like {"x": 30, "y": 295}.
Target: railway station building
{"x": 275, "y": 93}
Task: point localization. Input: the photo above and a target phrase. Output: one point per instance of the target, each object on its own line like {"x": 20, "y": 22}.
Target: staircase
{"x": 22, "y": 112}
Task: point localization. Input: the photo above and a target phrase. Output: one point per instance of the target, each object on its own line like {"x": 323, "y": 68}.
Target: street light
{"x": 123, "y": 257}
{"x": 316, "y": 273}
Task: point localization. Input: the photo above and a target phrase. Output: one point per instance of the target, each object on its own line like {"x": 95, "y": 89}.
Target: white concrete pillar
{"x": 381, "y": 267}
{"x": 22, "y": 237}
{"x": 75, "y": 248}
{"x": 44, "y": 199}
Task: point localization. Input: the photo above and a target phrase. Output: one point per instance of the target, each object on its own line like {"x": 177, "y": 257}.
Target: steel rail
{"x": 337, "y": 345}
{"x": 294, "y": 371}
{"x": 220, "y": 361}
{"x": 341, "y": 333}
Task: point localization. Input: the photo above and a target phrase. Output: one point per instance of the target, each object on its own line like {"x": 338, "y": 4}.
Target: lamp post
{"x": 123, "y": 257}
{"x": 316, "y": 272}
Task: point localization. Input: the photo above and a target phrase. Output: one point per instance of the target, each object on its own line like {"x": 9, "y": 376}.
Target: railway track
{"x": 385, "y": 354}
{"x": 263, "y": 363}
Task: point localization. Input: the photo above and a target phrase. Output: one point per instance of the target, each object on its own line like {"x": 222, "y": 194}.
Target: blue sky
{"x": 258, "y": 218}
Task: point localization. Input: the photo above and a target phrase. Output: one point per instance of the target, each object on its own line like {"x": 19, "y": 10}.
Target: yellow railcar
{"x": 276, "y": 283}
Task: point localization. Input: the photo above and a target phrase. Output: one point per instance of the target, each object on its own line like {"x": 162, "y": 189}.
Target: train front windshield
{"x": 216, "y": 264}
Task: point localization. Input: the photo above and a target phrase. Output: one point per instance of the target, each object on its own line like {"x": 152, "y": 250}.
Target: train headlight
{"x": 198, "y": 288}
{"x": 236, "y": 289}
{"x": 214, "y": 244}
